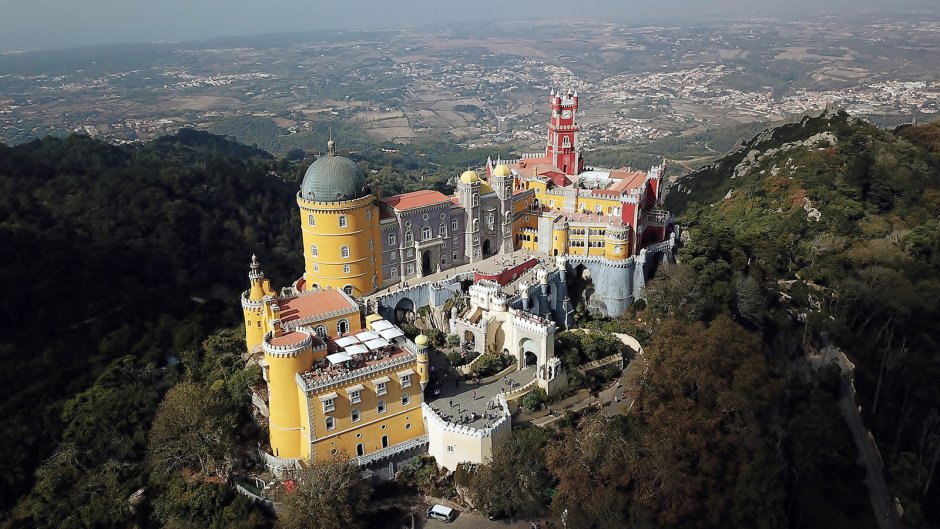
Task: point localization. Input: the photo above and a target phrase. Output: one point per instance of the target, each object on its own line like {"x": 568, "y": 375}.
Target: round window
{"x": 358, "y": 436}
{"x": 408, "y": 426}
{"x": 425, "y": 216}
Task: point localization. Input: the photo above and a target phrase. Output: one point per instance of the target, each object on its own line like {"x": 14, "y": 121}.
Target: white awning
{"x": 357, "y": 387}
{"x": 357, "y": 349}
{"x": 381, "y": 380}
{"x": 381, "y": 325}
{"x": 378, "y": 343}
{"x": 336, "y": 358}
{"x": 365, "y": 336}
{"x": 405, "y": 373}
{"x": 346, "y": 341}
{"x": 328, "y": 396}
{"x": 389, "y": 334}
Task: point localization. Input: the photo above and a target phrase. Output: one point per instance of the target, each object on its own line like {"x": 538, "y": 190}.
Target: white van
{"x": 446, "y": 514}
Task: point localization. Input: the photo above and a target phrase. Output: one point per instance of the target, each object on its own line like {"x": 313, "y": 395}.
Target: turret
{"x": 561, "y": 261}
{"x": 253, "y": 304}
{"x": 524, "y": 294}
{"x": 542, "y": 275}
{"x": 422, "y": 366}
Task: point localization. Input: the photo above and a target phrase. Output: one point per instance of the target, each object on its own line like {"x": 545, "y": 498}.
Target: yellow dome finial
{"x": 469, "y": 177}
{"x": 502, "y": 170}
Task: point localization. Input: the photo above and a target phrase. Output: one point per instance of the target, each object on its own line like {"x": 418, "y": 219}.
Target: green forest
{"x": 122, "y": 352}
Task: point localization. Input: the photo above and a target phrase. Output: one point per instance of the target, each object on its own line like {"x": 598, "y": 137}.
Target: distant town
{"x": 480, "y": 86}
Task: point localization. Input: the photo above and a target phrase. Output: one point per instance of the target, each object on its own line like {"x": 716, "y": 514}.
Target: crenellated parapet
{"x": 533, "y": 324}
{"x": 576, "y": 260}
{"x": 311, "y": 384}
{"x": 289, "y": 348}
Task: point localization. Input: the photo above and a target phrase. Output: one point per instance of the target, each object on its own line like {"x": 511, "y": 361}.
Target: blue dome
{"x": 334, "y": 178}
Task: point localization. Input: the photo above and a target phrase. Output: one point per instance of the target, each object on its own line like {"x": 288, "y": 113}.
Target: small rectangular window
{"x": 342, "y": 221}
{"x": 355, "y": 415}
{"x": 355, "y": 397}
{"x": 345, "y": 269}
{"x": 380, "y": 388}
{"x": 330, "y": 423}
{"x": 406, "y": 381}
{"x": 344, "y": 251}
{"x": 405, "y": 400}
{"x": 310, "y": 220}
{"x": 380, "y": 407}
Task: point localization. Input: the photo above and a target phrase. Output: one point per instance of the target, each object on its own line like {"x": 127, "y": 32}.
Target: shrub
{"x": 453, "y": 340}
{"x": 534, "y": 400}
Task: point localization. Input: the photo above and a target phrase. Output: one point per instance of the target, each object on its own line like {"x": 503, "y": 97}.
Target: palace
{"x": 343, "y": 378}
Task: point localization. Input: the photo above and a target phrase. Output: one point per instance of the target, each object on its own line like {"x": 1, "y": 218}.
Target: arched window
{"x": 508, "y": 217}
{"x": 342, "y": 326}
{"x": 313, "y": 250}
{"x": 342, "y": 221}
{"x": 393, "y": 272}
{"x": 425, "y": 233}
{"x": 453, "y": 224}
{"x": 443, "y": 230}
{"x": 320, "y": 331}
{"x": 476, "y": 224}
{"x": 375, "y": 281}
{"x": 344, "y": 251}
{"x": 392, "y": 240}
{"x": 310, "y": 220}
{"x": 476, "y": 199}
{"x": 409, "y": 237}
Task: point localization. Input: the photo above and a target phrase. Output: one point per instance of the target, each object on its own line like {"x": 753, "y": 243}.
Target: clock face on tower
{"x": 566, "y": 114}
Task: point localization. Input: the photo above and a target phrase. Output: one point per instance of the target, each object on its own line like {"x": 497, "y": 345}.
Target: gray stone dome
{"x": 334, "y": 178}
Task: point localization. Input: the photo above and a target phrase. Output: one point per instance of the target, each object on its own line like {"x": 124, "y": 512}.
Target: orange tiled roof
{"x": 627, "y": 180}
{"x": 313, "y": 304}
{"x": 416, "y": 199}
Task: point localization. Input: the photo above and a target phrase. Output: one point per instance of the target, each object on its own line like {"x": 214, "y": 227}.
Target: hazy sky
{"x": 37, "y": 24}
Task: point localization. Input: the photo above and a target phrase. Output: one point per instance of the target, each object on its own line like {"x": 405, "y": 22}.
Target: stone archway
{"x": 530, "y": 359}
{"x": 487, "y": 247}
{"x": 528, "y": 352}
{"x": 426, "y": 265}
{"x": 405, "y": 311}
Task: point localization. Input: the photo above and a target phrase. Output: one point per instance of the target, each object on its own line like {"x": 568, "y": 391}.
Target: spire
{"x": 254, "y": 262}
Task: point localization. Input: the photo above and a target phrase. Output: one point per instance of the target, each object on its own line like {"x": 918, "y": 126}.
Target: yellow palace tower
{"x": 340, "y": 224}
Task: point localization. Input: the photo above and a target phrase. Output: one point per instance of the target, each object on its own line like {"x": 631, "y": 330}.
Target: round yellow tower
{"x": 286, "y": 353}
{"x": 616, "y": 243}
{"x": 340, "y": 226}
{"x": 253, "y": 305}
{"x": 421, "y": 365}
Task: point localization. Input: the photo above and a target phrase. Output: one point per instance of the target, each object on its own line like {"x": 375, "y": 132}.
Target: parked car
{"x": 440, "y": 512}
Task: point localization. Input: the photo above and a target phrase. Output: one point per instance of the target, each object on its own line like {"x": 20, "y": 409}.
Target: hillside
{"x": 838, "y": 223}
{"x": 111, "y": 251}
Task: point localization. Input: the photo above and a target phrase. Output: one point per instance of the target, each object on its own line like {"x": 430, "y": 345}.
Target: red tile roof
{"x": 314, "y": 303}
{"x": 416, "y": 199}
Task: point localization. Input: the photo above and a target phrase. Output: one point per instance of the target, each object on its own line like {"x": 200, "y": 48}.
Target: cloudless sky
{"x": 39, "y": 24}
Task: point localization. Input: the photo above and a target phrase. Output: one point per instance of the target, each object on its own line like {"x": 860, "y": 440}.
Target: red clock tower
{"x": 562, "y": 150}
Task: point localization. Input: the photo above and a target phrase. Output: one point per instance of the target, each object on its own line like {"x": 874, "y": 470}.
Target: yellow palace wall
{"x": 399, "y": 422}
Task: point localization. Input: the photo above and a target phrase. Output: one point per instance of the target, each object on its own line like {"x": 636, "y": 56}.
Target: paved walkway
{"x": 458, "y": 402}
